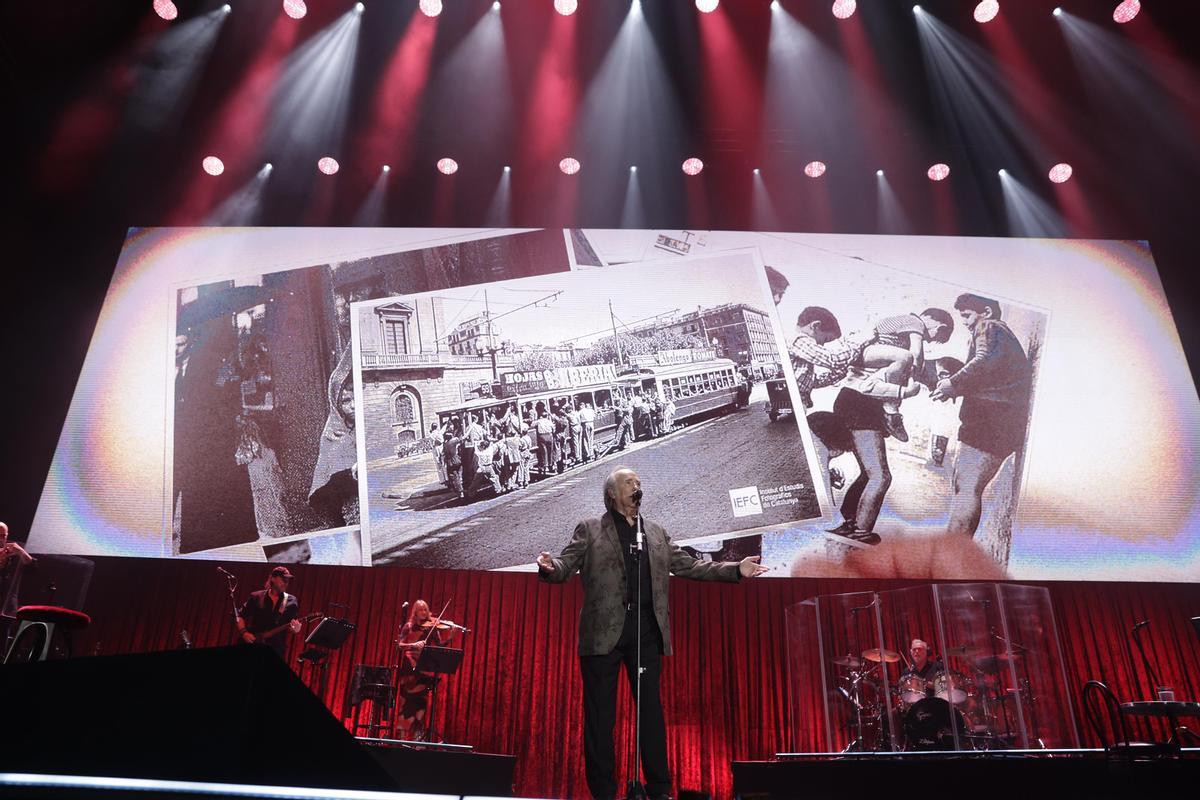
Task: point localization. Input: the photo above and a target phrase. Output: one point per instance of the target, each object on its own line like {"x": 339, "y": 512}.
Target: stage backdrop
{"x": 726, "y": 689}
{"x": 284, "y": 395}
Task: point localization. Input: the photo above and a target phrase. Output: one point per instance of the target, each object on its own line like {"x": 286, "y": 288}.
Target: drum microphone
{"x": 863, "y": 608}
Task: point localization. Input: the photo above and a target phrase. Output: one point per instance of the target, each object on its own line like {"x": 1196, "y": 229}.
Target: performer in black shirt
{"x": 922, "y": 665}
{"x": 269, "y": 614}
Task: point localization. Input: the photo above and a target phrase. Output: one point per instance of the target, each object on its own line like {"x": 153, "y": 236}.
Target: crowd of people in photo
{"x": 503, "y": 447}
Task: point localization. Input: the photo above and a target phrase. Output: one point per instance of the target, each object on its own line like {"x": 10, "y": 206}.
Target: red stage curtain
{"x": 726, "y": 690}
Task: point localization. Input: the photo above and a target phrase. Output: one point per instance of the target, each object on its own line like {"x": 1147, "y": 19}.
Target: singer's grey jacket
{"x": 595, "y": 552}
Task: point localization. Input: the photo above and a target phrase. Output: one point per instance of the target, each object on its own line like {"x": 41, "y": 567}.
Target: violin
{"x": 436, "y": 623}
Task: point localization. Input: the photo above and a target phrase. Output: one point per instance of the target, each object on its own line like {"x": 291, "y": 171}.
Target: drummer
{"x": 922, "y": 665}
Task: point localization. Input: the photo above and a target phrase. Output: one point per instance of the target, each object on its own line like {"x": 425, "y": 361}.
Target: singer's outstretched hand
{"x": 750, "y": 568}
{"x": 545, "y": 562}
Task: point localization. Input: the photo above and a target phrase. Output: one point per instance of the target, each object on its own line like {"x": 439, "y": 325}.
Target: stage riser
{"x": 985, "y": 778}
{"x": 439, "y": 772}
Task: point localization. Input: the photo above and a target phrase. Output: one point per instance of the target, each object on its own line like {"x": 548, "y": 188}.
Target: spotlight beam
{"x": 244, "y": 206}
{"x": 1027, "y": 213}
{"x": 312, "y": 96}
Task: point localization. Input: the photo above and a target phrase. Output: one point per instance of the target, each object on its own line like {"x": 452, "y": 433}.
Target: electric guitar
{"x": 259, "y": 638}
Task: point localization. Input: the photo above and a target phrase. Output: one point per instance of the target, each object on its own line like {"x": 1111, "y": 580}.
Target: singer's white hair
{"x": 610, "y": 487}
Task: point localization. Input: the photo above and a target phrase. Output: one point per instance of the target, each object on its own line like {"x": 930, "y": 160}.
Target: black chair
{"x": 1103, "y": 712}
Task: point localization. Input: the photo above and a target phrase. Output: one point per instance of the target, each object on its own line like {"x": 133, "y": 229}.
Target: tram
{"x": 699, "y": 389}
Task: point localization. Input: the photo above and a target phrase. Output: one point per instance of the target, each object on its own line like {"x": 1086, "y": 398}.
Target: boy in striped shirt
{"x": 897, "y": 352}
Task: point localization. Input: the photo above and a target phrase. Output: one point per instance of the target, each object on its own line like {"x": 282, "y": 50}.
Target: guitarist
{"x": 270, "y": 614}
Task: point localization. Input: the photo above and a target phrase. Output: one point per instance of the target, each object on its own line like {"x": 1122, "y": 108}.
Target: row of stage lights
{"x": 985, "y": 11}
{"x": 327, "y": 165}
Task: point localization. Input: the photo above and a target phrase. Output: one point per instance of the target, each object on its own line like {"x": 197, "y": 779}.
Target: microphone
{"x": 637, "y": 501}
{"x": 1140, "y": 625}
{"x": 404, "y": 606}
{"x": 226, "y": 572}
{"x": 863, "y": 608}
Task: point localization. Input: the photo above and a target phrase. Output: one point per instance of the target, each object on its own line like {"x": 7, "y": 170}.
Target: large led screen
{"x": 839, "y": 405}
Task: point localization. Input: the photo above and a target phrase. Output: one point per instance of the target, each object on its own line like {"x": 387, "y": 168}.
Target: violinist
{"x": 422, "y": 628}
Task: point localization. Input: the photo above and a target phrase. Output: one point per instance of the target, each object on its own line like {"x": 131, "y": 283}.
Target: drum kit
{"x": 979, "y": 708}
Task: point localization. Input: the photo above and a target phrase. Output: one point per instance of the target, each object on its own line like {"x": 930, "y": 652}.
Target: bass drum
{"x": 928, "y": 726}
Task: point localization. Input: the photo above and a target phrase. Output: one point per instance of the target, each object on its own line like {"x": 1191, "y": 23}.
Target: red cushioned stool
{"x": 42, "y": 633}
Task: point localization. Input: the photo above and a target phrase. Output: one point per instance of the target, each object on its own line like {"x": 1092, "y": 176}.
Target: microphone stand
{"x": 233, "y": 585}
{"x": 1154, "y": 682}
{"x": 635, "y": 790}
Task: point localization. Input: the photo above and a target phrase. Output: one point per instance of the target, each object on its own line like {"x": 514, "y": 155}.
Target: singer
{"x": 605, "y": 552}
{"x": 270, "y": 614}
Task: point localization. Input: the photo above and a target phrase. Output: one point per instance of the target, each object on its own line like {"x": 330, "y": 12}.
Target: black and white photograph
{"x": 918, "y": 395}
{"x": 263, "y": 412}
{"x": 486, "y": 409}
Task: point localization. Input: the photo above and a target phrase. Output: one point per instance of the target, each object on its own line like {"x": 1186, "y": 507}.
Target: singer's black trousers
{"x": 600, "y": 675}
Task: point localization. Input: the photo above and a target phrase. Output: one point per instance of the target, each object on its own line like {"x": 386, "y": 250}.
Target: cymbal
{"x": 875, "y": 654}
{"x": 847, "y": 661}
{"x": 996, "y": 661}
{"x": 962, "y": 650}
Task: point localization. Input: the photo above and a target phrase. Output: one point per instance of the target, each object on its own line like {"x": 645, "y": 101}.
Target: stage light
{"x": 707, "y": 6}
{"x": 1001, "y": 172}
{"x": 1126, "y": 11}
{"x": 328, "y": 165}
{"x": 986, "y": 11}
{"x": 633, "y": 169}
{"x": 447, "y": 166}
{"x": 1061, "y": 173}
{"x": 1057, "y": 12}
{"x": 295, "y": 8}
{"x": 569, "y": 166}
{"x": 814, "y": 169}
{"x": 566, "y": 7}
{"x": 844, "y": 9}
{"x": 757, "y": 171}
{"x": 166, "y": 9}
{"x": 775, "y": 5}
{"x": 430, "y": 8}
{"x": 213, "y": 165}
{"x": 227, "y": 8}
{"x": 386, "y": 168}
{"x": 507, "y": 168}
{"x": 939, "y": 172}
{"x": 359, "y": 8}
{"x": 878, "y": 173}
{"x": 917, "y": 9}
{"x": 496, "y": 5}
{"x": 693, "y": 166}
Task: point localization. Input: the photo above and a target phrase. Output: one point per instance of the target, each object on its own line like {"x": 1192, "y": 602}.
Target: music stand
{"x": 328, "y": 636}
{"x": 439, "y": 661}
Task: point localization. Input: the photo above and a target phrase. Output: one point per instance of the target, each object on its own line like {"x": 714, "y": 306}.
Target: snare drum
{"x": 952, "y": 686}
